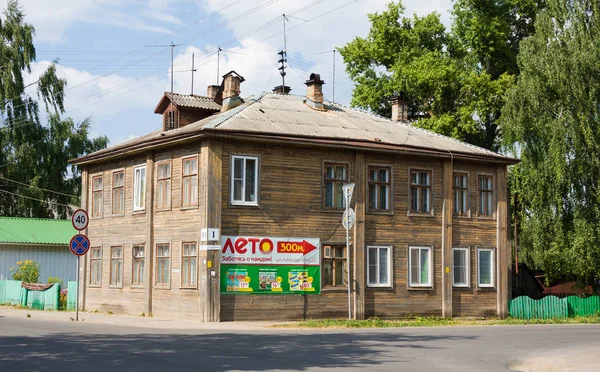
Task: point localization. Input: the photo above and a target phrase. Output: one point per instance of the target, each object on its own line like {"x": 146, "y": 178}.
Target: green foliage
{"x": 455, "y": 81}
{"x": 55, "y": 280}
{"x": 30, "y": 152}
{"x": 27, "y": 271}
{"x": 432, "y": 322}
{"x": 552, "y": 119}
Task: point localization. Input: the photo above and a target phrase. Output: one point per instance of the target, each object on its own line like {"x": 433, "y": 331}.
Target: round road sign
{"x": 80, "y": 219}
{"x": 348, "y": 218}
{"x": 79, "y": 245}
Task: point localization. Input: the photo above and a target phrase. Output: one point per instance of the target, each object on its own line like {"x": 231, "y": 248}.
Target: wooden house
{"x": 236, "y": 214}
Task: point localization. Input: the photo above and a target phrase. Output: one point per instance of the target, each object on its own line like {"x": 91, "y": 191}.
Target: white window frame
{"x": 430, "y": 276}
{"x": 389, "y": 266}
{"x": 256, "y": 176}
{"x": 492, "y": 271}
{"x": 467, "y": 264}
{"x": 135, "y": 188}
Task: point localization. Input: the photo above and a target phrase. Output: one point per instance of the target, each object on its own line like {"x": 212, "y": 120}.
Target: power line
{"x": 41, "y": 200}
{"x": 39, "y": 188}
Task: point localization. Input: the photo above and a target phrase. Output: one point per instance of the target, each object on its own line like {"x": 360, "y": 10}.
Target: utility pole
{"x": 283, "y": 54}
{"x": 333, "y": 85}
{"x": 193, "y": 70}
{"x": 218, "y": 61}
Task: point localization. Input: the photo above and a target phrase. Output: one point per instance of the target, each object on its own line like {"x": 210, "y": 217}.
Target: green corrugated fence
{"x": 549, "y": 307}
{"x": 72, "y": 295}
{"x": 11, "y": 293}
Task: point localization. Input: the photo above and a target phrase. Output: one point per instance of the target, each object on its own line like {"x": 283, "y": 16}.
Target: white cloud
{"x": 53, "y": 18}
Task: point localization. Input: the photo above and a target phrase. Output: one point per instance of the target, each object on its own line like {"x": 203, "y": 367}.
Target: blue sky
{"x": 116, "y": 80}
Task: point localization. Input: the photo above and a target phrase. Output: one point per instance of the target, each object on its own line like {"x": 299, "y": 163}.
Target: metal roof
{"x": 193, "y": 101}
{"x": 273, "y": 114}
{"x": 35, "y": 231}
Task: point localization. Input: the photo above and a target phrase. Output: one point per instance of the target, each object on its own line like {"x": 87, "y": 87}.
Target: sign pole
{"x": 348, "y": 196}
{"x": 77, "y": 292}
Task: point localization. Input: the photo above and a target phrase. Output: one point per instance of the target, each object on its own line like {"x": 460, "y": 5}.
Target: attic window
{"x": 170, "y": 120}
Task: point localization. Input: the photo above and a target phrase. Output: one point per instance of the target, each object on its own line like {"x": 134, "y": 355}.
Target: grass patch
{"x": 431, "y": 322}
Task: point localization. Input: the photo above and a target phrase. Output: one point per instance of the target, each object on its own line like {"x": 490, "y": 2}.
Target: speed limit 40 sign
{"x": 80, "y": 219}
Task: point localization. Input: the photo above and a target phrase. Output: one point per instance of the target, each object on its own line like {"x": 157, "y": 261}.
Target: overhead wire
{"x": 39, "y": 188}
{"x": 41, "y": 200}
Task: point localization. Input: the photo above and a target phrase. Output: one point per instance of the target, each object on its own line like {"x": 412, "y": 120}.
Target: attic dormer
{"x": 182, "y": 109}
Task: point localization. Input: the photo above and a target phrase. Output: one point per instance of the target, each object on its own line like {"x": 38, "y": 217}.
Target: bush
{"x": 27, "y": 271}
{"x": 55, "y": 280}
{"x": 62, "y": 300}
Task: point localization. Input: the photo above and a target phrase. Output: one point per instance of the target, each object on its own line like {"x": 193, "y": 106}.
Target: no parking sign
{"x": 79, "y": 245}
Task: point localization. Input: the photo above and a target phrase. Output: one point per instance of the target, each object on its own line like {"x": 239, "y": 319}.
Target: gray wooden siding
{"x": 53, "y": 260}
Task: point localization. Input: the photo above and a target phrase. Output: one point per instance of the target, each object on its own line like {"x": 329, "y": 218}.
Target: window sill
{"x": 115, "y": 286}
{"x": 486, "y": 289}
{"x": 162, "y": 287}
{"x": 163, "y": 209}
{"x": 490, "y": 218}
{"x": 188, "y": 287}
{"x": 463, "y": 217}
{"x": 380, "y": 287}
{"x": 118, "y": 215}
{"x": 138, "y": 211}
{"x": 427, "y": 215}
{"x": 94, "y": 286}
{"x": 188, "y": 207}
{"x": 95, "y": 217}
{"x": 334, "y": 289}
{"x": 381, "y": 213}
{"x": 333, "y": 210}
{"x": 420, "y": 288}
{"x": 462, "y": 287}
{"x": 137, "y": 286}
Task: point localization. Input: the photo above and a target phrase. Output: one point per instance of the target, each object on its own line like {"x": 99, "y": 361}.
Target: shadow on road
{"x": 221, "y": 351}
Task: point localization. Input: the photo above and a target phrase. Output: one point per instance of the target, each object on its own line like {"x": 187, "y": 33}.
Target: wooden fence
{"x": 549, "y": 307}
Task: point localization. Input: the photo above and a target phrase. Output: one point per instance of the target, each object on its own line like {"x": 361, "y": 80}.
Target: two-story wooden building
{"x": 233, "y": 211}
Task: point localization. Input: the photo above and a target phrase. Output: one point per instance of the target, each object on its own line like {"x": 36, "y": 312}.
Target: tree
{"x": 455, "y": 81}
{"x": 31, "y": 153}
{"x": 552, "y": 119}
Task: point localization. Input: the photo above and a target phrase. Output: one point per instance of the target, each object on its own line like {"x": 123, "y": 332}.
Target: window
{"x": 189, "y": 266}
{"x": 244, "y": 180}
{"x": 420, "y": 191}
{"x": 486, "y": 196}
{"x": 420, "y": 266}
{"x": 485, "y": 267}
{"x": 163, "y": 264}
{"x": 460, "y": 187}
{"x": 189, "y": 182}
{"x": 379, "y": 189}
{"x": 170, "y": 119}
{"x": 118, "y": 197}
{"x": 379, "y": 266}
{"x": 336, "y": 175}
{"x": 116, "y": 266}
{"x": 163, "y": 185}
{"x": 139, "y": 188}
{"x": 138, "y": 265}
{"x": 97, "y": 196}
{"x": 96, "y": 266}
{"x": 460, "y": 267}
{"x": 334, "y": 266}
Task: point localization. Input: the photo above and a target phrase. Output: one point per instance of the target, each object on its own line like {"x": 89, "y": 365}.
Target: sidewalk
{"x": 131, "y": 321}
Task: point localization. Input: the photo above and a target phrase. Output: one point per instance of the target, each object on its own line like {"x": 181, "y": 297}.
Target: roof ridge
{"x": 242, "y": 107}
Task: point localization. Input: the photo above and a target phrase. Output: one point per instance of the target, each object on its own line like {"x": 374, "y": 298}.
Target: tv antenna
{"x": 193, "y": 70}
{"x": 333, "y": 85}
{"x": 283, "y": 54}
{"x": 171, "y": 114}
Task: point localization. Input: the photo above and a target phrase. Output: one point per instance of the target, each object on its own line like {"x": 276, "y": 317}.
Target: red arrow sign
{"x": 303, "y": 247}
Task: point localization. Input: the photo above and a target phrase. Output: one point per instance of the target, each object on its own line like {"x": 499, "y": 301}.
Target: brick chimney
{"x": 281, "y": 89}
{"x": 314, "y": 92}
{"x": 231, "y": 90}
{"x": 400, "y": 109}
{"x": 211, "y": 91}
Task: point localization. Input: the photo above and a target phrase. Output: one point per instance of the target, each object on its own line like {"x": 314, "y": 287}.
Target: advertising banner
{"x": 270, "y": 265}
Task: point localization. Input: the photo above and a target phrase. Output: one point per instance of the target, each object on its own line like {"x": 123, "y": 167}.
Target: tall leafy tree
{"x": 455, "y": 81}
{"x": 31, "y": 153}
{"x": 552, "y": 118}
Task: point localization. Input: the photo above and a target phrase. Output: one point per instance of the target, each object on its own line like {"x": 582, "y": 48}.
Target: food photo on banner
{"x": 270, "y": 265}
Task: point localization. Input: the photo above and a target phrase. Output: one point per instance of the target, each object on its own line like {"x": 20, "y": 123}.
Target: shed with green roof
{"x": 43, "y": 240}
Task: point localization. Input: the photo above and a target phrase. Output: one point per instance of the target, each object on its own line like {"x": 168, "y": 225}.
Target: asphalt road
{"x": 28, "y": 344}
